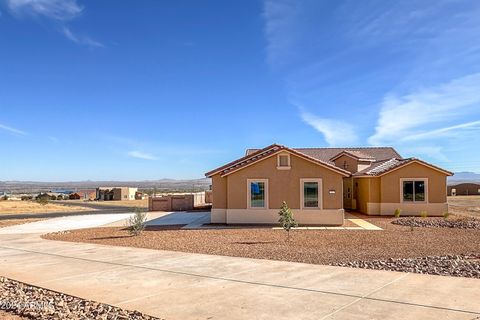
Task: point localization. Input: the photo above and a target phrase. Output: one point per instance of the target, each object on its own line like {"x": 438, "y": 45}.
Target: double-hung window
{"x": 311, "y": 193}
{"x": 257, "y": 193}
{"x": 414, "y": 190}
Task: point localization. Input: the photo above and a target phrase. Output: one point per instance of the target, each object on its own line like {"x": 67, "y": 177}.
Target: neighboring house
{"x": 87, "y": 194}
{"x": 115, "y": 193}
{"x": 464, "y": 189}
{"x": 319, "y": 183}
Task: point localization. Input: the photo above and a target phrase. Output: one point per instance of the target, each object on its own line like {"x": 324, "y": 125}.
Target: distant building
{"x": 115, "y": 193}
{"x": 87, "y": 194}
{"x": 464, "y": 189}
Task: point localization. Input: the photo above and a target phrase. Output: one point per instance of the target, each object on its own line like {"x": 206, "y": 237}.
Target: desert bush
{"x": 397, "y": 213}
{"x": 26, "y": 198}
{"x": 42, "y": 200}
{"x": 424, "y": 214}
{"x": 136, "y": 223}
{"x": 286, "y": 219}
{"x": 446, "y": 214}
{"x": 4, "y": 198}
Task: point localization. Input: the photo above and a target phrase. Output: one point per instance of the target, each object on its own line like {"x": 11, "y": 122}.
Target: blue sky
{"x": 126, "y": 90}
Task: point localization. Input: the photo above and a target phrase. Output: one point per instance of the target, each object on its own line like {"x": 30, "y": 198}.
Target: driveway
{"x": 177, "y": 285}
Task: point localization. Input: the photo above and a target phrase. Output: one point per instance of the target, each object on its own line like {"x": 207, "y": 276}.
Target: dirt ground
{"x": 308, "y": 246}
{"x": 15, "y": 207}
{"x": 12, "y": 222}
{"x": 8, "y": 316}
{"x": 465, "y": 205}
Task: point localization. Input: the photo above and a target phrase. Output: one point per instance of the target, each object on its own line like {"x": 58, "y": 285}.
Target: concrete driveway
{"x": 177, "y": 285}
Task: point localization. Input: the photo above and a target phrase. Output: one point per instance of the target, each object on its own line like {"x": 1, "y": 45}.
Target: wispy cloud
{"x": 12, "y": 130}
{"x": 59, "y": 11}
{"x": 414, "y": 114}
{"x": 84, "y": 40}
{"x": 336, "y": 133}
{"x": 445, "y": 132}
{"x": 141, "y": 155}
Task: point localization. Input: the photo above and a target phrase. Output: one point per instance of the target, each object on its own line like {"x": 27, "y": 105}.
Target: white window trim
{"x": 414, "y": 179}
{"x": 320, "y": 193}
{"x": 279, "y": 167}
{"x": 249, "y": 195}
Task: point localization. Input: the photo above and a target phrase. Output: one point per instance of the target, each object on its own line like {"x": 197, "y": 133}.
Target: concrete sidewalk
{"x": 177, "y": 285}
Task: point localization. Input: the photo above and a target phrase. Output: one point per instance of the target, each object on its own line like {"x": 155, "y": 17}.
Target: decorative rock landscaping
{"x": 455, "y": 265}
{"x": 460, "y": 223}
{"x": 32, "y": 302}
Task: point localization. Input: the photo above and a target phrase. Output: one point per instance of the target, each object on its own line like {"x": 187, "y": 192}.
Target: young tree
{"x": 286, "y": 219}
{"x": 136, "y": 223}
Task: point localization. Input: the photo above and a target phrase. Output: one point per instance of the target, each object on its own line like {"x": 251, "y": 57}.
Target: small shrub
{"x": 424, "y": 214}
{"x": 286, "y": 219}
{"x": 446, "y": 214}
{"x": 397, "y": 212}
{"x": 4, "y": 198}
{"x": 136, "y": 223}
{"x": 42, "y": 200}
{"x": 411, "y": 228}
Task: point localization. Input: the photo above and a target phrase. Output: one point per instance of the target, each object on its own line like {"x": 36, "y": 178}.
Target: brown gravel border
{"x": 458, "y": 223}
{"x": 31, "y": 302}
{"x": 456, "y": 266}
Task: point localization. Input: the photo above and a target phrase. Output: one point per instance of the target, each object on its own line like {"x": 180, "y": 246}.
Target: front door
{"x": 347, "y": 193}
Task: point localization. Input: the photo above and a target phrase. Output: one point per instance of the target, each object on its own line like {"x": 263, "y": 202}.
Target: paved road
{"x": 179, "y": 285}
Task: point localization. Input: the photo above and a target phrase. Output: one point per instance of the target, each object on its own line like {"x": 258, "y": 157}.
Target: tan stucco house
{"x": 318, "y": 184}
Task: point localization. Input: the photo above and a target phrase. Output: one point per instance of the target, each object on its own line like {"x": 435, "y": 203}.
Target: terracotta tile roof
{"x": 382, "y": 167}
{"x": 254, "y": 155}
{"x": 383, "y": 159}
{"x": 326, "y": 154}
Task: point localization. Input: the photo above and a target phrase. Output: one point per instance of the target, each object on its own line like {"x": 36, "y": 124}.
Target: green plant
{"x": 446, "y": 214}
{"x": 397, "y": 212}
{"x": 286, "y": 219}
{"x": 424, "y": 214}
{"x": 136, "y": 223}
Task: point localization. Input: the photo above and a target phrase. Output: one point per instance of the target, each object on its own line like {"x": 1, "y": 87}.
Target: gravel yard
{"x": 308, "y": 246}
{"x": 22, "y": 301}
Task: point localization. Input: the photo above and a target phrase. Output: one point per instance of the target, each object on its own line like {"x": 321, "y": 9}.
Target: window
{"x": 311, "y": 193}
{"x": 345, "y": 165}
{"x": 414, "y": 190}
{"x": 283, "y": 161}
{"x": 257, "y": 193}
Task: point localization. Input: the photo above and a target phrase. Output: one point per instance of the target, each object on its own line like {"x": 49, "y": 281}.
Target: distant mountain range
{"x": 16, "y": 187}
{"x": 462, "y": 177}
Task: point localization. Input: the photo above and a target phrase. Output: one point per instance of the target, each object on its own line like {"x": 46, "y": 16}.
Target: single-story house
{"x": 115, "y": 193}
{"x": 464, "y": 189}
{"x": 318, "y": 184}
{"x": 87, "y": 194}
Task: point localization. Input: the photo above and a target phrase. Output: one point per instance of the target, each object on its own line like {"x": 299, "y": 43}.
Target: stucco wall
{"x": 219, "y": 192}
{"x": 382, "y": 195}
{"x": 437, "y": 183}
{"x": 362, "y": 187}
{"x": 352, "y": 164}
{"x": 283, "y": 185}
